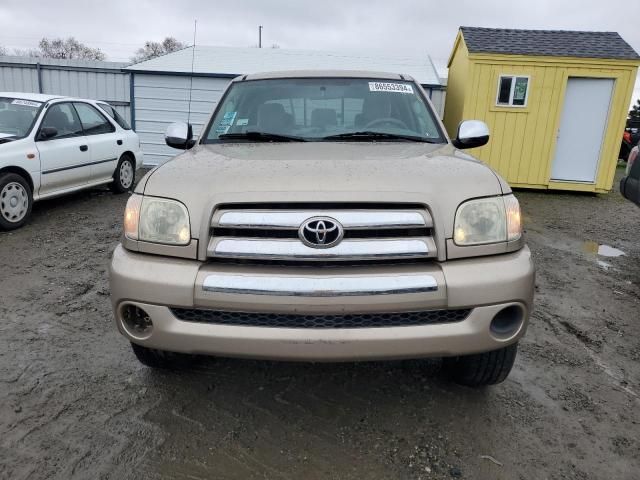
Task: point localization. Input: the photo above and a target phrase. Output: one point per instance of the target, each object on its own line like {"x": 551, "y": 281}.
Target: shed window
{"x": 512, "y": 91}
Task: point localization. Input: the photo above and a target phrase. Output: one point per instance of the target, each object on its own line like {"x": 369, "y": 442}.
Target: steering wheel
{"x": 388, "y": 121}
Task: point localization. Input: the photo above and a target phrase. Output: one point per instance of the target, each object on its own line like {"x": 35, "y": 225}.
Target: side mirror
{"x": 179, "y": 135}
{"x": 471, "y": 134}
{"x": 48, "y": 132}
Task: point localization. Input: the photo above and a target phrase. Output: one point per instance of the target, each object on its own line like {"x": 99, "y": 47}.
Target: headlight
{"x": 158, "y": 220}
{"x": 132, "y": 216}
{"x": 514, "y": 218}
{"x": 487, "y": 220}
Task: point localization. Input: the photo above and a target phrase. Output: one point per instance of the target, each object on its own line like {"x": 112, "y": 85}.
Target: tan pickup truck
{"x": 325, "y": 216}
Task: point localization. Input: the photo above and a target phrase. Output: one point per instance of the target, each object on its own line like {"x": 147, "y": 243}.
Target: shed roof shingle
{"x": 558, "y": 43}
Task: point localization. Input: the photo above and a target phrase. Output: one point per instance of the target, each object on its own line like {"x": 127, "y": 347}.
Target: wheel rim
{"x": 126, "y": 174}
{"x": 14, "y": 202}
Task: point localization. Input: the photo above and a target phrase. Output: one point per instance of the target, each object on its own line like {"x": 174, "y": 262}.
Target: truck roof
{"x": 325, "y": 74}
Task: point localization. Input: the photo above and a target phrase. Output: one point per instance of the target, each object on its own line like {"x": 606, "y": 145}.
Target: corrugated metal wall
{"x": 75, "y": 78}
{"x": 163, "y": 99}
{"x": 110, "y": 86}
{"x": 16, "y": 78}
{"x": 437, "y": 98}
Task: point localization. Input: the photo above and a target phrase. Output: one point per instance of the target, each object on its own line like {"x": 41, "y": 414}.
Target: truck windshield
{"x": 323, "y": 109}
{"x": 17, "y": 116}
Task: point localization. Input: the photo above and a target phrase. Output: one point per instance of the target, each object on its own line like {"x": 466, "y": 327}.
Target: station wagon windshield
{"x": 17, "y": 116}
{"x": 323, "y": 109}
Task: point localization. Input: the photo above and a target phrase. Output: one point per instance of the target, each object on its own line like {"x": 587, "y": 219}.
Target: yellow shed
{"x": 555, "y": 102}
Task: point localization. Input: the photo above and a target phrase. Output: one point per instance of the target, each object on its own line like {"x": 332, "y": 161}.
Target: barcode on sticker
{"x": 390, "y": 87}
{"x": 26, "y": 103}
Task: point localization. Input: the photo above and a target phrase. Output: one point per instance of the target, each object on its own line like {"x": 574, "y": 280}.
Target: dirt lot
{"x": 74, "y": 402}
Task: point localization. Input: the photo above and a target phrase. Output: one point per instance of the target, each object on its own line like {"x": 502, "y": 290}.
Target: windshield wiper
{"x": 367, "y": 134}
{"x": 7, "y": 139}
{"x": 261, "y": 137}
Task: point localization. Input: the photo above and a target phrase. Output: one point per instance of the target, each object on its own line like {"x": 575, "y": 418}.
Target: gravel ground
{"x": 74, "y": 402}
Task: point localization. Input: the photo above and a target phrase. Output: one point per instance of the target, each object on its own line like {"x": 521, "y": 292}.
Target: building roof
{"x": 36, "y": 97}
{"x": 558, "y": 43}
{"x": 231, "y": 61}
{"x": 64, "y": 62}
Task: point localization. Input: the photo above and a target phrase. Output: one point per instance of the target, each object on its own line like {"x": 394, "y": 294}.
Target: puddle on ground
{"x": 596, "y": 252}
{"x": 604, "y": 265}
{"x": 602, "y": 250}
{"x": 607, "y": 251}
{"x": 599, "y": 250}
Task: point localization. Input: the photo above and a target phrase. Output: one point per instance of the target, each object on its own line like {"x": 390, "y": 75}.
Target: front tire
{"x": 125, "y": 175}
{"x": 481, "y": 369}
{"x": 153, "y": 358}
{"x": 16, "y": 201}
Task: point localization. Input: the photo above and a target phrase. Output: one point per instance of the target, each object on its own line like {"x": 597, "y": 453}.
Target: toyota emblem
{"x": 321, "y": 232}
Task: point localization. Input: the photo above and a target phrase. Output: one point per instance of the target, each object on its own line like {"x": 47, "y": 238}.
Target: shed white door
{"x": 582, "y": 127}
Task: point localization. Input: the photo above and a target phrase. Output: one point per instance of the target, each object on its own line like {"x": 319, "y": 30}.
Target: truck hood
{"x": 438, "y": 176}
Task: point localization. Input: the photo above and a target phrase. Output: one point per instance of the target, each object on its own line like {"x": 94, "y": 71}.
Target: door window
{"x": 113, "y": 113}
{"x": 93, "y": 122}
{"x": 62, "y": 117}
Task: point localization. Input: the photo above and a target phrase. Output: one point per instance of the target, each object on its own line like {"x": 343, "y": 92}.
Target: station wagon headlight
{"x": 157, "y": 220}
{"x": 487, "y": 220}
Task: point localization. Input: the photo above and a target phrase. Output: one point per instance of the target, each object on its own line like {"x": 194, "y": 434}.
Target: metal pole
{"x": 193, "y": 60}
{"x": 260, "y": 36}
{"x": 132, "y": 101}
{"x": 39, "y": 75}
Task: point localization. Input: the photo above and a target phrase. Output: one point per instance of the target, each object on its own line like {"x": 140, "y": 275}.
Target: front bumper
{"x": 486, "y": 285}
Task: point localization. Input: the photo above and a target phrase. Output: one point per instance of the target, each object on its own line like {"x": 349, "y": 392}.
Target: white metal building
{"x": 162, "y": 86}
{"x": 74, "y": 78}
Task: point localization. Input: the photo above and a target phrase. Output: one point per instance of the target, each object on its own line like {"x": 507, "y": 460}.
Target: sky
{"x": 119, "y": 27}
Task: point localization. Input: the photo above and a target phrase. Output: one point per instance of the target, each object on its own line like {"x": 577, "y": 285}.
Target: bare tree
{"x": 3, "y": 51}
{"x": 68, "y": 48}
{"x": 155, "y": 49}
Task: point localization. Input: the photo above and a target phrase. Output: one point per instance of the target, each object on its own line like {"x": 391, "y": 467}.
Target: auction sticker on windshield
{"x": 26, "y": 103}
{"x": 226, "y": 123}
{"x": 390, "y": 87}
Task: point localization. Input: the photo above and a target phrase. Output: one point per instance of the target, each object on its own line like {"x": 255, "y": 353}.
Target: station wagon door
{"x": 102, "y": 139}
{"x": 65, "y": 160}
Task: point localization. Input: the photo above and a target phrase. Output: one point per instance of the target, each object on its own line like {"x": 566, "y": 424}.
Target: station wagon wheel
{"x": 125, "y": 174}
{"x": 15, "y": 201}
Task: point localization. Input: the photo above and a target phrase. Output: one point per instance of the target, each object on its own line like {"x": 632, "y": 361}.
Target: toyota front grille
{"x": 340, "y": 233}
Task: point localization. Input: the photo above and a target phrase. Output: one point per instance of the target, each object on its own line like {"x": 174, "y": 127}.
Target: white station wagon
{"x": 52, "y": 145}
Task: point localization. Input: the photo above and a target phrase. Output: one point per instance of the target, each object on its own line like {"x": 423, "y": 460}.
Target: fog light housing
{"x": 136, "y": 322}
{"x": 507, "y": 322}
